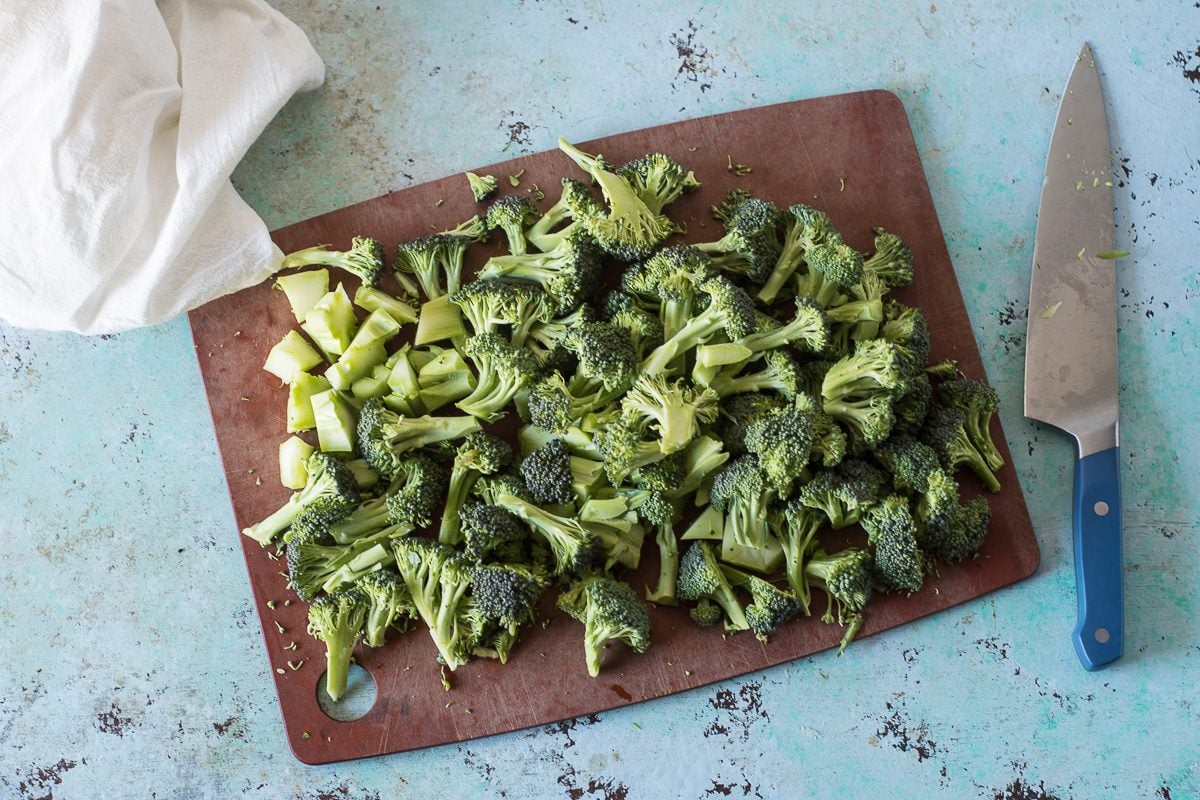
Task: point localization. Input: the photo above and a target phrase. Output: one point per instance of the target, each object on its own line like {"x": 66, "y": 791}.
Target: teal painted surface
{"x": 132, "y": 663}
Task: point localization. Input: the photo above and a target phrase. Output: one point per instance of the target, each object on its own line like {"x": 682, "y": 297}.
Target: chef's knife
{"x": 1071, "y": 348}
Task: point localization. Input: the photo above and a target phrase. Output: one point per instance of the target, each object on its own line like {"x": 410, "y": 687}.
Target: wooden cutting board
{"x": 851, "y": 155}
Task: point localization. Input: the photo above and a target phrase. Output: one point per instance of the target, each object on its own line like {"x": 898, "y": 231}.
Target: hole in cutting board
{"x": 355, "y": 702}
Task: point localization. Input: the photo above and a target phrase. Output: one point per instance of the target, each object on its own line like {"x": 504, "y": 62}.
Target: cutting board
{"x": 851, "y": 155}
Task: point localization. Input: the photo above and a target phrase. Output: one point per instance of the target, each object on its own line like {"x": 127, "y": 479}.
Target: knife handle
{"x": 1100, "y": 635}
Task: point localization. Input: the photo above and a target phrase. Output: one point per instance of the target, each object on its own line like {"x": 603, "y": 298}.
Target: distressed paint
{"x": 132, "y": 662}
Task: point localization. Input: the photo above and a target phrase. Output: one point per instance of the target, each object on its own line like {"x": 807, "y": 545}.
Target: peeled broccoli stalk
{"x": 331, "y": 322}
{"x": 292, "y": 355}
{"x": 374, "y": 299}
{"x": 357, "y": 362}
{"x": 293, "y": 462}
{"x": 303, "y": 290}
{"x": 374, "y": 384}
{"x": 335, "y": 421}
{"x": 482, "y": 186}
{"x": 369, "y": 560}
{"x": 299, "y": 406}
{"x": 336, "y": 620}
{"x": 439, "y": 320}
{"x": 327, "y": 479}
{"x": 364, "y": 259}
{"x": 710, "y": 524}
{"x": 663, "y": 593}
{"x": 609, "y": 610}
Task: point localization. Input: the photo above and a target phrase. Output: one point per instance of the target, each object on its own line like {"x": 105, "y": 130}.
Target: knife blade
{"x": 1071, "y": 349}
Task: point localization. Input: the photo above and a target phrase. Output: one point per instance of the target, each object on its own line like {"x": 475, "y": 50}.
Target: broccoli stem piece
{"x": 663, "y": 594}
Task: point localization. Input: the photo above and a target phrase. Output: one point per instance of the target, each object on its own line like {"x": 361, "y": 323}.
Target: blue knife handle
{"x": 1100, "y": 635}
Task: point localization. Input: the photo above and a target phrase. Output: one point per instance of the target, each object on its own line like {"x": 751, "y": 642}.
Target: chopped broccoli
{"x": 658, "y": 179}
{"x": 574, "y": 203}
{"x": 609, "y": 610}
{"x": 834, "y": 268}
{"x": 575, "y": 547}
{"x": 675, "y": 409}
{"x": 892, "y": 531}
{"x": 506, "y": 596}
{"x": 741, "y": 490}
{"x": 805, "y": 229}
{"x": 978, "y": 402}
{"x": 437, "y": 580}
{"x": 777, "y": 371}
{"x": 390, "y": 604}
{"x": 481, "y": 453}
{"x": 796, "y": 527}
{"x": 491, "y": 532}
{"x": 385, "y": 436}
{"x": 845, "y": 577}
{"x": 701, "y": 578}
{"x": 730, "y": 311}
{"x": 750, "y": 247}
{"x": 489, "y": 305}
{"x": 782, "y": 440}
{"x": 569, "y": 273}
{"x": 512, "y": 214}
{"x": 945, "y": 431}
{"x": 337, "y": 620}
{"x": 962, "y": 534}
{"x": 769, "y": 605}
{"x": 482, "y": 186}
{"x": 436, "y": 260}
{"x": 892, "y": 260}
{"x": 503, "y": 371}
{"x": 547, "y": 473}
{"x": 671, "y": 280}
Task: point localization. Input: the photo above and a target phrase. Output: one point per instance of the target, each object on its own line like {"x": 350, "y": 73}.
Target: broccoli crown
{"x": 769, "y": 606}
{"x": 631, "y": 229}
{"x": 491, "y": 531}
{"x": 609, "y": 610}
{"x": 700, "y": 578}
{"x": 782, "y": 440}
{"x": 963, "y": 533}
{"x": 936, "y": 503}
{"x": 508, "y": 593}
{"x": 388, "y": 601}
{"x": 892, "y": 531}
{"x": 552, "y": 407}
{"x": 418, "y": 490}
{"x": 384, "y": 436}
{"x": 675, "y": 409}
{"x": 845, "y": 577}
{"x": 658, "y": 179}
{"x": 512, "y": 214}
{"x": 547, "y": 473}
{"x": 740, "y": 411}
{"x": 364, "y": 259}
{"x": 892, "y": 261}
{"x": 945, "y": 431}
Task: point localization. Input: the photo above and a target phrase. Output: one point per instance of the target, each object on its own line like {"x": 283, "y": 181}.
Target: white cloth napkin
{"x": 120, "y": 123}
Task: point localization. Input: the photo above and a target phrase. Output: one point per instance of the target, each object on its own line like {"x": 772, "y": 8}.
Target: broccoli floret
{"x": 776, "y": 371}
{"x": 962, "y": 534}
{"x": 645, "y": 328}
{"x": 385, "y": 436}
{"x": 769, "y": 605}
{"x": 978, "y": 402}
{"x": 503, "y": 371}
{"x": 512, "y": 214}
{"x": 730, "y": 310}
{"x": 845, "y": 577}
{"x": 624, "y": 446}
{"x": 371, "y": 516}
{"x": 782, "y": 440}
{"x": 545, "y": 337}
{"x": 808, "y": 327}
{"x": 389, "y": 602}
{"x": 418, "y": 490}
{"x": 843, "y": 494}
{"x": 892, "y": 531}
{"x": 481, "y": 453}
{"x": 337, "y": 620}
{"x": 482, "y": 186}
{"x": 675, "y": 409}
{"x": 328, "y": 479}
{"x": 804, "y": 229}
{"x": 609, "y": 610}
{"x": 910, "y": 462}
{"x": 507, "y": 481}
{"x": 506, "y": 596}
{"x": 547, "y": 473}
{"x": 911, "y": 408}
{"x": 437, "y": 580}
{"x": 892, "y": 260}
{"x": 631, "y": 229}
{"x": 436, "y": 260}
{"x": 574, "y": 203}
{"x": 575, "y": 548}
{"x": 671, "y": 279}
{"x": 945, "y": 431}
{"x": 741, "y": 490}
{"x": 491, "y": 532}
{"x": 796, "y": 527}
{"x": 706, "y": 614}
{"x": 739, "y": 412}
{"x": 316, "y": 562}
{"x": 873, "y": 367}
{"x": 569, "y": 273}
{"x": 490, "y": 304}
{"x": 834, "y": 268}
{"x": 905, "y": 327}
{"x": 750, "y": 246}
{"x": 364, "y": 259}
{"x": 829, "y": 441}
{"x": 869, "y": 418}
{"x": 658, "y": 179}
{"x": 701, "y": 578}
{"x": 936, "y": 503}
{"x": 605, "y": 363}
